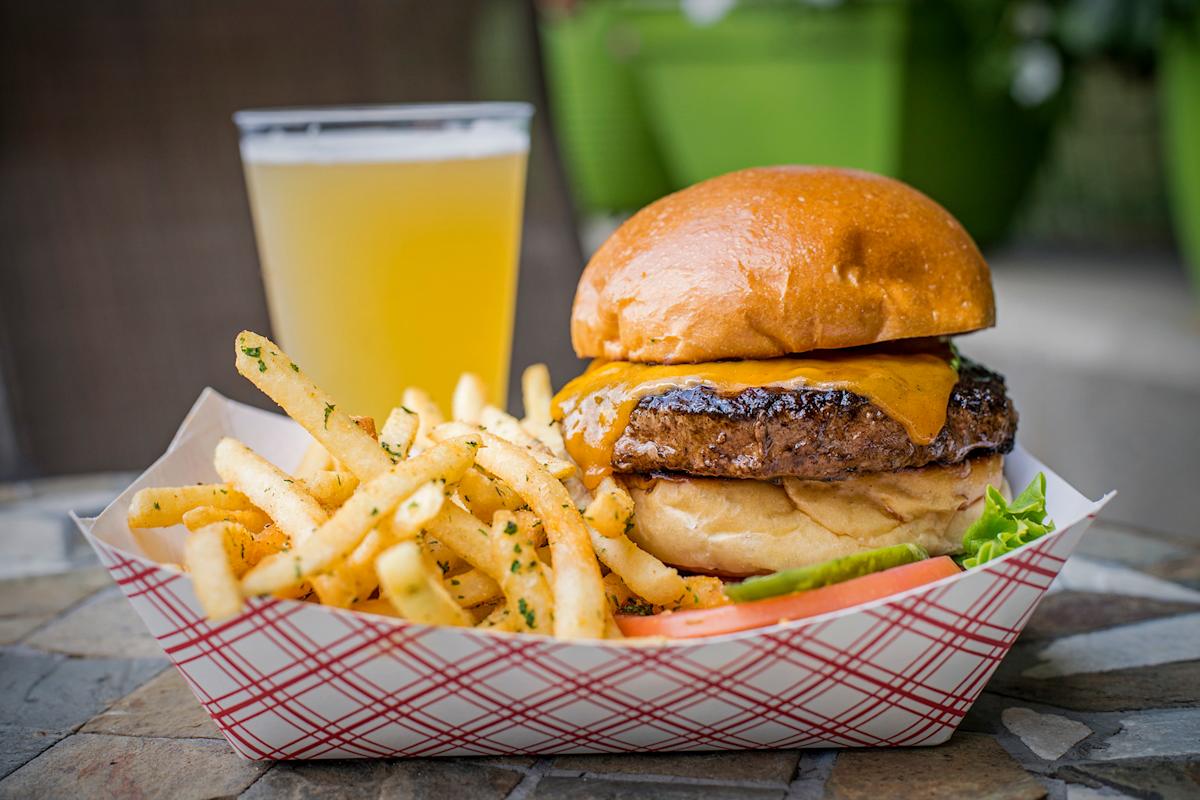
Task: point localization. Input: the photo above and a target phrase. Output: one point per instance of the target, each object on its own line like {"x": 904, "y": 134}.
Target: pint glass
{"x": 388, "y": 238}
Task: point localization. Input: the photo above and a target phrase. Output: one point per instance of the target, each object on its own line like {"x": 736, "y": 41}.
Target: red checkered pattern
{"x": 290, "y": 680}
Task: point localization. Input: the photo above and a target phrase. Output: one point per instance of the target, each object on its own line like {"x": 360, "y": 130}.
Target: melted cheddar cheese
{"x": 913, "y": 389}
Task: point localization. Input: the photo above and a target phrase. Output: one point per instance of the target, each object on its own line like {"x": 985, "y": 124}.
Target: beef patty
{"x": 766, "y": 433}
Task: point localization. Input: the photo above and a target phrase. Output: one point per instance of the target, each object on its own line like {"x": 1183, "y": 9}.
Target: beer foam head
{"x": 479, "y": 139}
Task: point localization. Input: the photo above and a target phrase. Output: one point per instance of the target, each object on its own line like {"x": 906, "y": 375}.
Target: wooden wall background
{"x": 127, "y": 258}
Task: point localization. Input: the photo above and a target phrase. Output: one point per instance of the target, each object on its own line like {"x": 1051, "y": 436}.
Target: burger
{"x": 773, "y": 376}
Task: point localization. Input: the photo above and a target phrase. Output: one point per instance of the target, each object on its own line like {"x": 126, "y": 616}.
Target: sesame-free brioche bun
{"x": 775, "y": 260}
{"x": 746, "y": 527}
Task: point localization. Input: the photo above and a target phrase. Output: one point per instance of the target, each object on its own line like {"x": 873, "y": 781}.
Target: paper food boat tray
{"x": 293, "y": 680}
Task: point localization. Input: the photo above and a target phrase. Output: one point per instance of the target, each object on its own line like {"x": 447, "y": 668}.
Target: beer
{"x": 389, "y": 256}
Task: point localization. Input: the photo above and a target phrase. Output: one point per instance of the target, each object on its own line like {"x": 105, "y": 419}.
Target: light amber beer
{"x": 390, "y": 255}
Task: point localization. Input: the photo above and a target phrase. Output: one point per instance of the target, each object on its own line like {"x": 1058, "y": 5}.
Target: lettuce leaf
{"x": 1005, "y": 526}
{"x": 955, "y": 357}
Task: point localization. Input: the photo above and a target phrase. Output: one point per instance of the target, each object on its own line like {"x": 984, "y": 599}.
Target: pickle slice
{"x": 826, "y": 573}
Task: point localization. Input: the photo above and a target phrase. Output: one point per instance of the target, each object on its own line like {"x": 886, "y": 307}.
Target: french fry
{"x": 470, "y": 395}
{"x": 483, "y": 495}
{"x": 703, "y": 591}
{"x": 243, "y": 547}
{"x": 165, "y": 506}
{"x": 615, "y": 591}
{"x": 611, "y": 510}
{"x": 398, "y": 432}
{"x": 509, "y": 427}
{"x": 329, "y": 487}
{"x": 429, "y": 416}
{"x": 315, "y": 459}
{"x": 365, "y": 424}
{"x": 700, "y": 591}
{"x": 557, "y": 467}
{"x": 467, "y": 536}
{"x": 499, "y": 620}
{"x": 379, "y": 605}
{"x": 442, "y": 555}
{"x": 417, "y": 511}
{"x": 373, "y": 501}
{"x": 481, "y": 612}
{"x": 293, "y": 510}
{"x": 353, "y": 578}
{"x": 272, "y": 537}
{"x": 250, "y": 518}
{"x": 550, "y": 435}
{"x": 526, "y": 591}
{"x": 275, "y": 541}
{"x": 579, "y": 606}
{"x": 472, "y": 588}
{"x": 643, "y": 573}
{"x": 264, "y": 364}
{"x": 580, "y": 496}
{"x": 536, "y": 394}
{"x": 538, "y": 531}
{"x": 407, "y": 582}
{"x": 212, "y": 575}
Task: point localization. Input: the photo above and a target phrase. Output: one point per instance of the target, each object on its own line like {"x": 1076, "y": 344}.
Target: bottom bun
{"x": 746, "y": 527}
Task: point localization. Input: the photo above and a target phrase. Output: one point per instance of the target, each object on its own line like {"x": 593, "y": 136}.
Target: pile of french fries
{"x": 481, "y": 520}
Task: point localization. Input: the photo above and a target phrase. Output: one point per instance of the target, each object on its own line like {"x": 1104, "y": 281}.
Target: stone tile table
{"x": 1100, "y": 698}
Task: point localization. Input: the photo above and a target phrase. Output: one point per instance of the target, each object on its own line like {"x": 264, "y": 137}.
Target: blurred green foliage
{"x": 1049, "y": 104}
{"x": 1127, "y": 32}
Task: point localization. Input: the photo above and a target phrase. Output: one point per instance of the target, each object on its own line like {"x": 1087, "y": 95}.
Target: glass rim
{"x": 251, "y": 119}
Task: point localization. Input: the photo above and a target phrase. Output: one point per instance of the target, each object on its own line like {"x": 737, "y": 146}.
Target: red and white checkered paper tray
{"x": 294, "y": 680}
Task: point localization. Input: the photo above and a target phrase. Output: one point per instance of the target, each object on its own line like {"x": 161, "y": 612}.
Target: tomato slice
{"x": 741, "y": 616}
